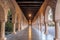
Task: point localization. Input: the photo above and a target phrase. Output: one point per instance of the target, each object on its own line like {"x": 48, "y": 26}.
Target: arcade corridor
{"x": 29, "y": 19}
{"x": 30, "y": 34}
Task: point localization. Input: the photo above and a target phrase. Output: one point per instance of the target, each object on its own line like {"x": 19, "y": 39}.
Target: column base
{"x": 18, "y": 30}
{"x": 14, "y": 32}
{"x": 45, "y": 33}
{"x": 40, "y": 29}
{"x": 4, "y": 38}
{"x": 56, "y": 38}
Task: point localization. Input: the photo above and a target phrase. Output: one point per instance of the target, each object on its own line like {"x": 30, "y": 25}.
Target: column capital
{"x": 57, "y": 21}
{"x": 18, "y": 22}
{"x": 46, "y": 22}
{"x": 2, "y": 21}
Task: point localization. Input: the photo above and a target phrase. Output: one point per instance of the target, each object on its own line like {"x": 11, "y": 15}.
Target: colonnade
{"x": 3, "y": 21}
{"x": 2, "y": 28}
{"x": 56, "y": 17}
{"x": 16, "y": 16}
{"x": 57, "y": 28}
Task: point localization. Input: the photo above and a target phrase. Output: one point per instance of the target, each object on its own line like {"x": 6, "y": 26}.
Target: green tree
{"x": 8, "y": 27}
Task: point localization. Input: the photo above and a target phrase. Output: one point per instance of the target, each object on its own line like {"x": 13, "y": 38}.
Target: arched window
{"x": 50, "y": 15}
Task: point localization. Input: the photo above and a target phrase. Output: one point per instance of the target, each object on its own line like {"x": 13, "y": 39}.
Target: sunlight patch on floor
{"x": 30, "y": 33}
{"x": 43, "y": 36}
{"x": 47, "y": 37}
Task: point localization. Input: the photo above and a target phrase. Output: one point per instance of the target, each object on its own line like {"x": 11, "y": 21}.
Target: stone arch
{"x": 47, "y": 12}
{"x": 9, "y": 6}
{"x": 2, "y": 14}
{"x": 13, "y": 10}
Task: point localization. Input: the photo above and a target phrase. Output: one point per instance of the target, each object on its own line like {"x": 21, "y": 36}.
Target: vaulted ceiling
{"x": 30, "y": 7}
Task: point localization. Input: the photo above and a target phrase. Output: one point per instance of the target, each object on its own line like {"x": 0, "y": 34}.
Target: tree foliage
{"x": 8, "y": 27}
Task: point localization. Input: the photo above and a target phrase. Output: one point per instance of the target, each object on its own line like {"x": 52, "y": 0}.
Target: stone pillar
{"x": 39, "y": 22}
{"x": 46, "y": 28}
{"x": 57, "y": 31}
{"x": 2, "y": 30}
{"x": 14, "y": 28}
{"x": 18, "y": 26}
{"x": 40, "y": 26}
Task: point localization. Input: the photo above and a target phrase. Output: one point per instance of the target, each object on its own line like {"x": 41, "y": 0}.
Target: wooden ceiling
{"x": 30, "y": 7}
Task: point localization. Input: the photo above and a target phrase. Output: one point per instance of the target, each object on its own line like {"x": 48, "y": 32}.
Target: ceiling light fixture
{"x": 30, "y": 15}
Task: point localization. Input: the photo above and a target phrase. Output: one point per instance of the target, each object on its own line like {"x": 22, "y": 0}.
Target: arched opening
{"x": 50, "y": 23}
{"x": 50, "y": 17}
{"x": 8, "y": 25}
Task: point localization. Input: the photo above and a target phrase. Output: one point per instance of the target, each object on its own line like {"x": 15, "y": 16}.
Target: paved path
{"x": 24, "y": 35}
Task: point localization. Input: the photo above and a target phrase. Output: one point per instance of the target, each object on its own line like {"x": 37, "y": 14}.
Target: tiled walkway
{"x": 24, "y": 35}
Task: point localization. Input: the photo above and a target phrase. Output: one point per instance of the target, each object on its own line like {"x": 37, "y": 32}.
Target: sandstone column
{"x": 14, "y": 28}
{"x": 46, "y": 28}
{"x": 40, "y": 26}
{"x": 18, "y": 26}
{"x": 2, "y": 30}
{"x": 39, "y": 23}
{"x": 57, "y": 31}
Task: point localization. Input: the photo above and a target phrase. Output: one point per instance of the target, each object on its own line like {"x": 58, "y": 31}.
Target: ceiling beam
{"x": 30, "y": 2}
{"x": 30, "y": 5}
